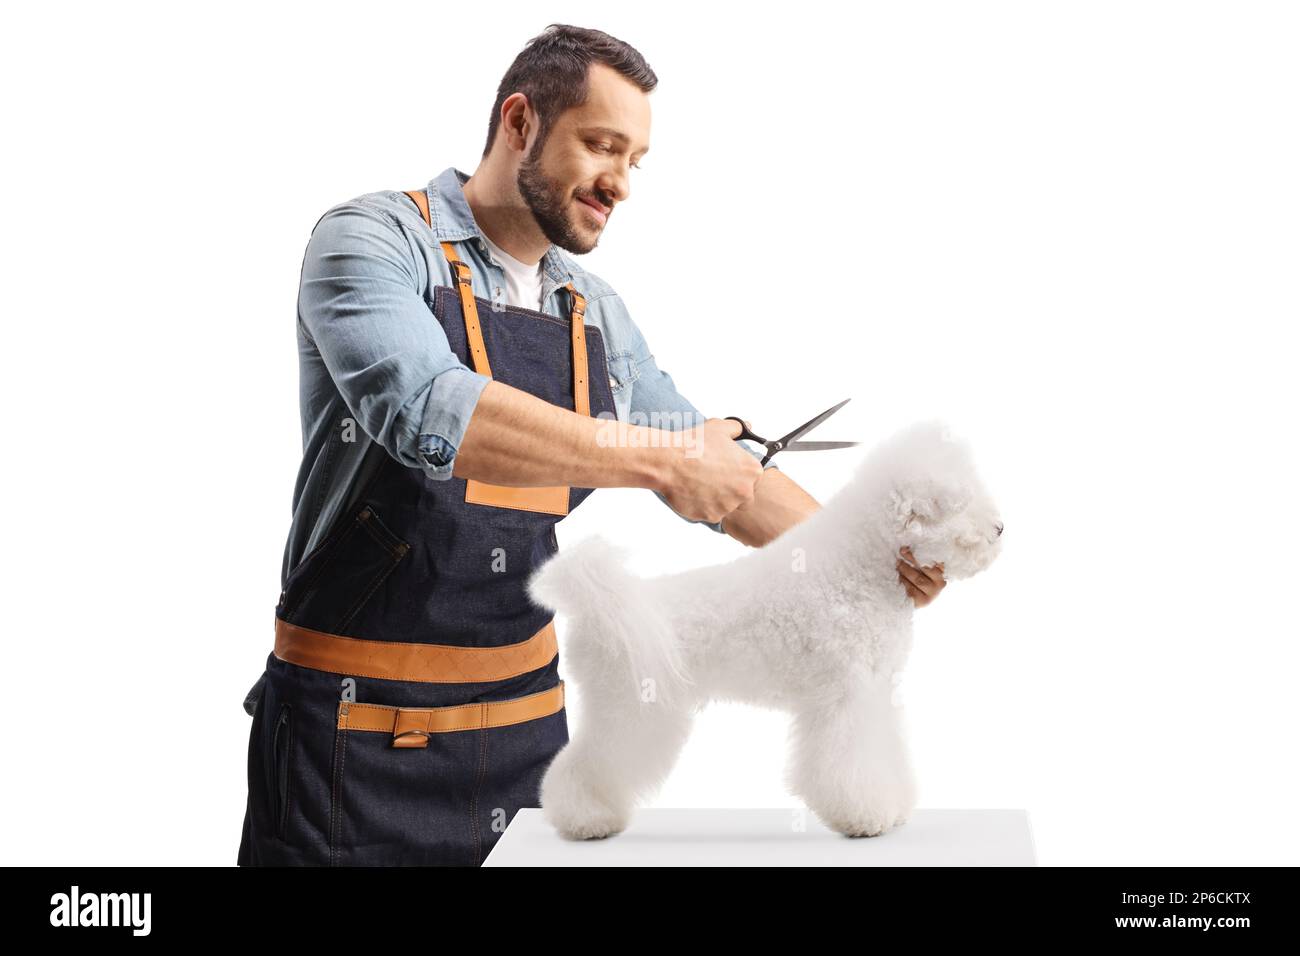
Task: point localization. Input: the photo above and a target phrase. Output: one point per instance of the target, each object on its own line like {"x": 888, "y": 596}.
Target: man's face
{"x": 582, "y": 169}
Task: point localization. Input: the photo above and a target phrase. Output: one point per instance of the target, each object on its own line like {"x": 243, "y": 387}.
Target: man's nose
{"x": 613, "y": 189}
{"x": 999, "y": 529}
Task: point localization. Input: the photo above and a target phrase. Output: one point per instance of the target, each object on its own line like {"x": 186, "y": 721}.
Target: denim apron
{"x": 413, "y": 699}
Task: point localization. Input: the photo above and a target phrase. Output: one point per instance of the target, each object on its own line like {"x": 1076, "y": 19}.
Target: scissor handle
{"x": 745, "y": 431}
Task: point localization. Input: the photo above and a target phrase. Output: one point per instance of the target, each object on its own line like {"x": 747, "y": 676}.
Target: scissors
{"x": 787, "y": 442}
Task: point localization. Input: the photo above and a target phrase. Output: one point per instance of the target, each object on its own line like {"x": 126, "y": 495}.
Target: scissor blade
{"x": 808, "y": 426}
{"x": 818, "y": 445}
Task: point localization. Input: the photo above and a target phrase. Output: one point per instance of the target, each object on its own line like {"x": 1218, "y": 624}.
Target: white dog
{"x": 815, "y": 623}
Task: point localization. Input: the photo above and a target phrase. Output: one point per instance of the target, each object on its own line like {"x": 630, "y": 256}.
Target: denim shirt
{"x": 375, "y": 365}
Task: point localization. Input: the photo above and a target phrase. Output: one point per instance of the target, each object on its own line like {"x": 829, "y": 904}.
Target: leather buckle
{"x": 409, "y": 729}
{"x": 579, "y": 300}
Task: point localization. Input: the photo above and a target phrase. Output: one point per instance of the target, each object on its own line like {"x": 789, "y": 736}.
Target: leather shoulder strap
{"x": 578, "y": 330}
{"x": 474, "y": 333}
{"x": 461, "y": 276}
{"x": 422, "y": 201}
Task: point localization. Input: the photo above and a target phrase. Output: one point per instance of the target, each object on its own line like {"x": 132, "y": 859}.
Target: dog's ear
{"x": 923, "y": 510}
{"x": 914, "y": 515}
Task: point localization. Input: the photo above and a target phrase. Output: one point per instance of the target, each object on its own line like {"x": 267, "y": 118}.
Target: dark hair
{"x": 552, "y": 71}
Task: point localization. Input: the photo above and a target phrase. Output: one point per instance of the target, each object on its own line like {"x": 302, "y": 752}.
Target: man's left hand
{"x": 922, "y": 584}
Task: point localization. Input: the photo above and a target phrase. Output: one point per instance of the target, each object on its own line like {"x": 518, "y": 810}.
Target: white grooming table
{"x": 673, "y": 836}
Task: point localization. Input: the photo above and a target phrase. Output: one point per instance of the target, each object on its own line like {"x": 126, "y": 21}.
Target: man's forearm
{"x": 515, "y": 438}
{"x": 778, "y": 504}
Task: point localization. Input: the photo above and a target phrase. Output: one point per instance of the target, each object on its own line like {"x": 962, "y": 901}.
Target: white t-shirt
{"x": 523, "y": 281}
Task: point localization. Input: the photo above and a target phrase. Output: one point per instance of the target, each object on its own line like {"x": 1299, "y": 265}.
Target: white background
{"x": 1069, "y": 230}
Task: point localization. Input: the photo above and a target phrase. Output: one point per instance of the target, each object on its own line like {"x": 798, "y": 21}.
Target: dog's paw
{"x": 572, "y": 806}
{"x": 597, "y": 826}
{"x": 866, "y": 821}
{"x": 582, "y": 819}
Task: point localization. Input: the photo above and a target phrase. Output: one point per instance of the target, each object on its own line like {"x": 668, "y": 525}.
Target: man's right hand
{"x": 714, "y": 475}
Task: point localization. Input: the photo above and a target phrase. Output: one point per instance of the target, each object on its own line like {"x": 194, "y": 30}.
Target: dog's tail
{"x": 616, "y": 634}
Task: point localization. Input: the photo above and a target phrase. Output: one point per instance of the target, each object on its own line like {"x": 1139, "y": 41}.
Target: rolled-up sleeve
{"x": 656, "y": 402}
{"x": 361, "y": 306}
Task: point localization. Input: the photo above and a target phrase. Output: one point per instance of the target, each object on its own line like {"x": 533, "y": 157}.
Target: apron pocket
{"x": 400, "y": 806}
{"x": 434, "y": 786}
{"x": 331, "y": 588}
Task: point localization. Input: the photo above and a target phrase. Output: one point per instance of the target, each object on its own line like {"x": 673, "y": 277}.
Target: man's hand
{"x": 717, "y": 478}
{"x": 923, "y": 584}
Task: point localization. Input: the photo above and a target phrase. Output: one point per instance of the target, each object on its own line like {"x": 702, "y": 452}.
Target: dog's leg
{"x": 621, "y": 753}
{"x": 849, "y": 761}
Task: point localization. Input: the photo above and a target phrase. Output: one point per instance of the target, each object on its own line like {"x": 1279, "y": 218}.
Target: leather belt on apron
{"x": 426, "y": 663}
{"x": 429, "y": 663}
{"x": 411, "y": 726}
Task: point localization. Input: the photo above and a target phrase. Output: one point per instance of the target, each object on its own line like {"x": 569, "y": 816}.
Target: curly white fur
{"x": 815, "y": 623}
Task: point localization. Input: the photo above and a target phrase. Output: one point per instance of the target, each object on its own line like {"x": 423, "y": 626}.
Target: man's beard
{"x": 550, "y": 206}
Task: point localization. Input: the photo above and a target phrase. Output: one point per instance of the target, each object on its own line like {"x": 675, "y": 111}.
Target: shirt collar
{"x": 452, "y": 220}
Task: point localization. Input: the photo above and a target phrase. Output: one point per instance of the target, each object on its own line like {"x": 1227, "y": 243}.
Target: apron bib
{"x": 413, "y": 699}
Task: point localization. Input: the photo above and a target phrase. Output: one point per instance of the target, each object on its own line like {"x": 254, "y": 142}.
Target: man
{"x": 464, "y": 385}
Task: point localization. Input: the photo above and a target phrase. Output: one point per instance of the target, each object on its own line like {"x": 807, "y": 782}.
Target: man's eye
{"x": 603, "y": 147}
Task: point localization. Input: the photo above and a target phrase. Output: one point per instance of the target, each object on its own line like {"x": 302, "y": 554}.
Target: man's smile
{"x": 599, "y": 211}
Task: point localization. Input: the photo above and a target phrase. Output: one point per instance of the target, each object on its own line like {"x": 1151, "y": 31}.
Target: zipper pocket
{"x": 281, "y": 749}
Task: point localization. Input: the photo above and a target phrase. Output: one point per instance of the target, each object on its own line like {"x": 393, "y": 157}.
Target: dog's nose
{"x": 999, "y": 529}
